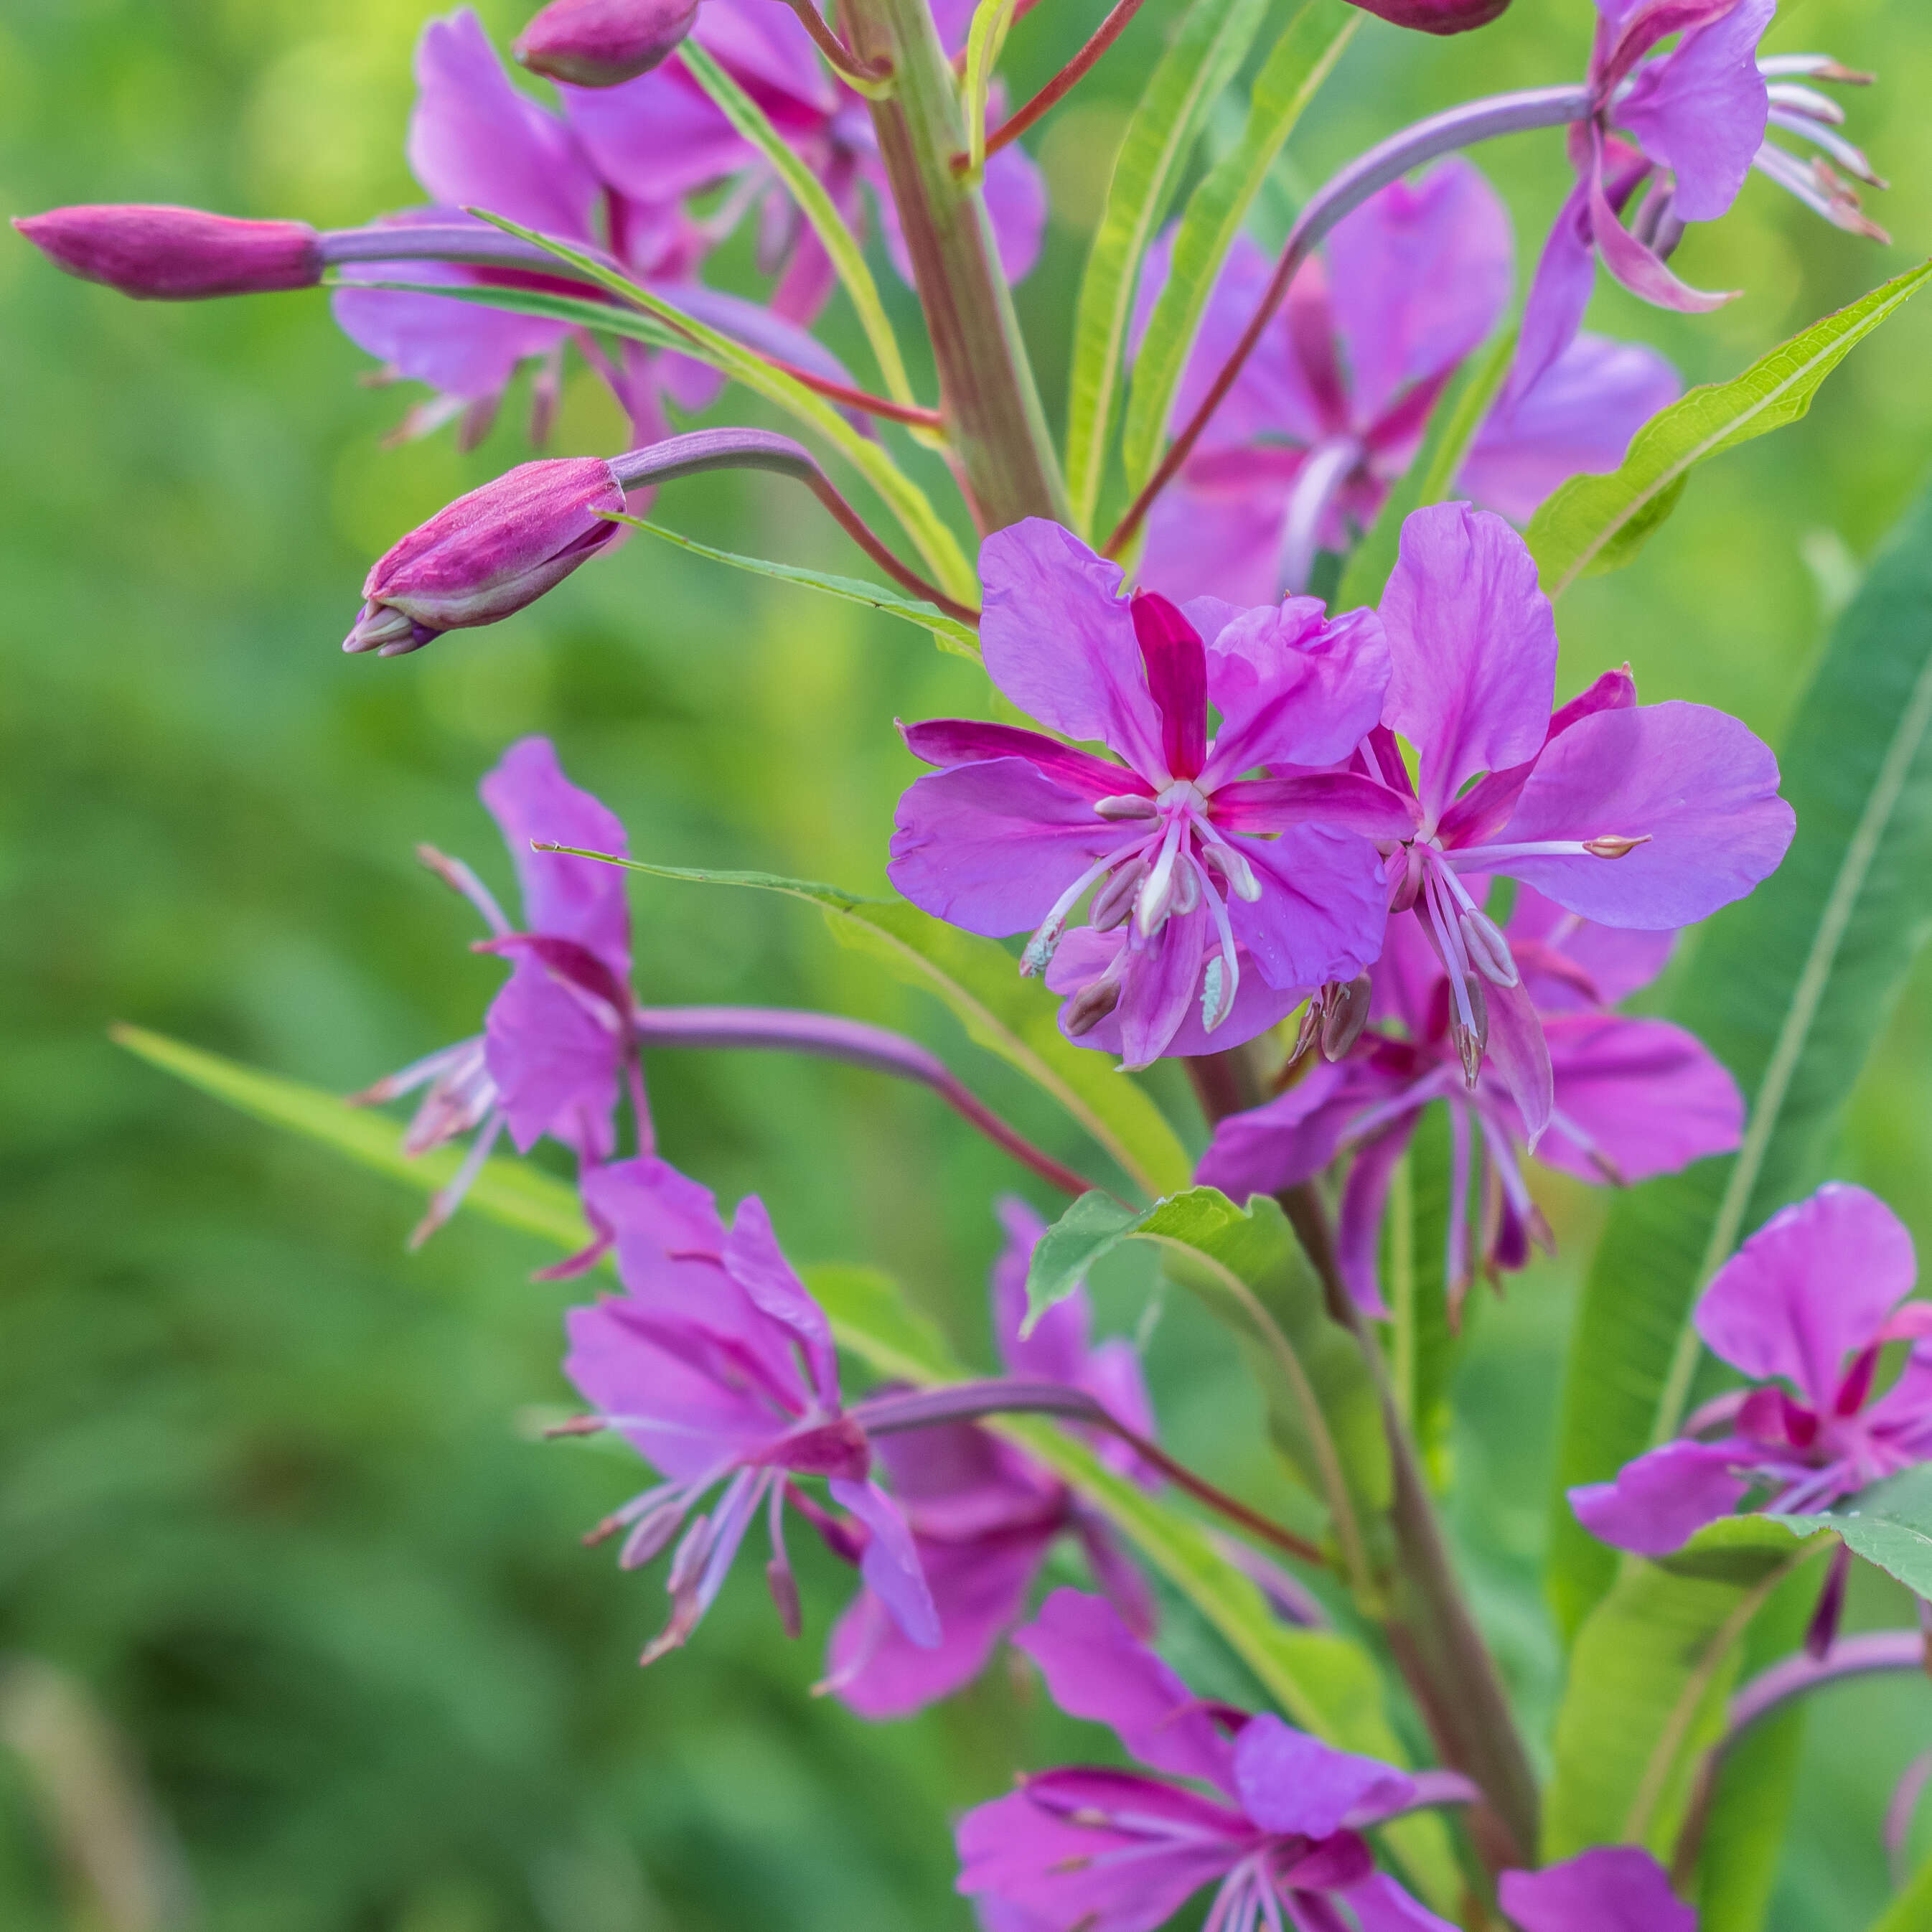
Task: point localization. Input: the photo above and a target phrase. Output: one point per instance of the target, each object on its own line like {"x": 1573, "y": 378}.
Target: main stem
{"x": 1431, "y": 1631}
{"x": 997, "y": 429}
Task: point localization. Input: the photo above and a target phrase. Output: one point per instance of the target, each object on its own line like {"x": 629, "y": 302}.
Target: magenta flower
{"x": 660, "y": 138}
{"x": 603, "y": 43}
{"x": 717, "y": 1366}
{"x": 1810, "y": 1300}
{"x": 1269, "y": 1815}
{"x": 176, "y": 254}
{"x": 558, "y": 1041}
{"x": 1631, "y": 1098}
{"x": 1332, "y": 406}
{"x": 1435, "y": 17}
{"x": 1644, "y": 818}
{"x": 1608, "y": 1888}
{"x": 984, "y": 1515}
{"x": 1215, "y": 882}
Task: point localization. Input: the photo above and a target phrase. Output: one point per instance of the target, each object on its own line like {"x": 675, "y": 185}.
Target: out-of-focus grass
{"x": 263, "y": 1487}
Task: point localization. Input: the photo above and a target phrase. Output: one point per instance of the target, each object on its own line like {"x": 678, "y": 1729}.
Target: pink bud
{"x": 176, "y": 254}
{"x": 600, "y": 42}
{"x": 1435, "y": 17}
{"x": 488, "y": 553}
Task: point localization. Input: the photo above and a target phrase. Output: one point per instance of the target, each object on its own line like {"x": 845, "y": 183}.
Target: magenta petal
{"x": 555, "y": 1063}
{"x": 990, "y": 847}
{"x": 1519, "y": 1054}
{"x": 1380, "y": 1905}
{"x": 1617, "y": 961}
{"x": 1638, "y": 268}
{"x": 1283, "y": 1142}
{"x": 1566, "y": 275}
{"x": 1113, "y": 1375}
{"x": 1222, "y": 542}
{"x": 1359, "y": 1231}
{"x": 890, "y": 1565}
{"x": 1323, "y": 909}
{"x": 960, "y": 741}
{"x": 1658, "y": 1502}
{"x": 656, "y": 138}
{"x": 1697, "y": 784}
{"x": 1085, "y": 955}
{"x": 1056, "y": 1350}
{"x": 1058, "y": 641}
{"x": 1343, "y": 801}
{"x": 1472, "y": 647}
{"x": 1610, "y": 1888}
{"x": 754, "y": 1261}
{"x": 1814, "y": 1284}
{"x": 1095, "y": 1669}
{"x": 1291, "y": 1781}
{"x": 1161, "y": 988}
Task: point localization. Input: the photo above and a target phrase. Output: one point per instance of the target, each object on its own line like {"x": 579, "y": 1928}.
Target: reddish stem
{"x": 1062, "y": 84}
{"x": 860, "y": 399}
{"x": 843, "y": 59}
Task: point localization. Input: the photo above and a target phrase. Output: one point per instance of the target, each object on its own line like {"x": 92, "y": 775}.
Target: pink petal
{"x": 1611, "y": 1888}
{"x": 555, "y": 1063}
{"x": 1380, "y": 1905}
{"x": 1015, "y": 193}
{"x": 1343, "y": 801}
{"x": 1056, "y": 1350}
{"x": 1660, "y": 1501}
{"x": 1639, "y": 268}
{"x": 1292, "y": 1782}
{"x": 1359, "y": 1230}
{"x": 1566, "y": 274}
{"x": 657, "y": 138}
{"x": 1289, "y": 1138}
{"x": 890, "y": 1565}
{"x": 1224, "y": 542}
{"x": 754, "y": 1261}
{"x": 960, "y": 741}
{"x": 1323, "y": 909}
{"x": 1520, "y": 1056}
{"x": 1162, "y": 987}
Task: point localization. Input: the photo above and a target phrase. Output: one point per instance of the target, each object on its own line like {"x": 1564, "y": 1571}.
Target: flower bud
{"x": 176, "y": 254}
{"x": 601, "y": 43}
{"x": 488, "y": 553}
{"x": 1435, "y": 17}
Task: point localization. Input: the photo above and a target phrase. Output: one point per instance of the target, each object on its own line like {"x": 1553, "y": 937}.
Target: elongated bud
{"x": 1614, "y": 845}
{"x": 488, "y": 553}
{"x": 602, "y": 42}
{"x": 158, "y": 253}
{"x": 1435, "y": 17}
{"x": 1346, "y": 1012}
{"x": 1488, "y": 950}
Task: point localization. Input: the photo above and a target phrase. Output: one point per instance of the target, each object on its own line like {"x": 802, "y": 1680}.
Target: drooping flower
{"x": 176, "y": 254}
{"x": 985, "y": 1515}
{"x": 1632, "y": 1097}
{"x": 717, "y": 1366}
{"x": 1331, "y": 407}
{"x": 1644, "y": 818}
{"x": 1270, "y": 1816}
{"x": 662, "y": 137}
{"x": 1608, "y": 1888}
{"x": 557, "y": 1043}
{"x": 1206, "y": 884}
{"x": 1695, "y": 117}
{"x": 1809, "y": 1302}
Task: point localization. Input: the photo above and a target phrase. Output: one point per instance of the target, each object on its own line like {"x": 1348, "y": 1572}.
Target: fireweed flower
{"x": 1206, "y": 884}
{"x": 176, "y": 254}
{"x": 1697, "y": 118}
{"x": 1269, "y": 1815}
{"x": 557, "y": 1041}
{"x": 1608, "y": 1888}
{"x": 1809, "y": 1302}
{"x": 1641, "y": 817}
{"x": 984, "y": 1515}
{"x": 1331, "y": 407}
{"x": 716, "y": 1365}
{"x": 1632, "y": 1097}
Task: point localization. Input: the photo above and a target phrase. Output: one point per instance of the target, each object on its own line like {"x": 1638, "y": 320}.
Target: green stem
{"x": 997, "y": 429}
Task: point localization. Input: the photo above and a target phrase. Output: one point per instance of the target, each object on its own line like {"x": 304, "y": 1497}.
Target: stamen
{"x": 1819, "y": 67}
{"x": 1807, "y": 101}
{"x": 1489, "y": 949}
{"x": 1840, "y": 149}
{"x": 1214, "y": 1002}
{"x": 455, "y": 874}
{"x": 1219, "y": 988}
{"x": 1614, "y": 845}
{"x": 1092, "y": 1004}
{"x": 1156, "y": 896}
{"x": 446, "y": 1200}
{"x": 1115, "y": 900}
{"x": 1127, "y": 804}
{"x": 1232, "y": 865}
{"x": 1039, "y": 949}
{"x": 1346, "y": 1005}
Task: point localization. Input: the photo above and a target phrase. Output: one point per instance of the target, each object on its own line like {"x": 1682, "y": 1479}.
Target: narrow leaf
{"x": 984, "y": 40}
{"x": 1790, "y": 988}
{"x": 1303, "y": 58}
{"x": 1911, "y": 1911}
{"x": 1210, "y": 43}
{"x": 1596, "y": 523}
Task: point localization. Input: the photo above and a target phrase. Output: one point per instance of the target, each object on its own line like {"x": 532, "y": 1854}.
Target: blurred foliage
{"x": 268, "y": 1487}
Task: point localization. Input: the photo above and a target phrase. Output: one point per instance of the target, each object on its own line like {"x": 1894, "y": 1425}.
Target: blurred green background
{"x": 297, "y": 1632}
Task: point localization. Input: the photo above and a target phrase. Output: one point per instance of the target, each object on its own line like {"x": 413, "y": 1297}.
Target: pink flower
{"x": 1809, "y": 1301}
{"x": 1206, "y": 884}
{"x": 176, "y": 254}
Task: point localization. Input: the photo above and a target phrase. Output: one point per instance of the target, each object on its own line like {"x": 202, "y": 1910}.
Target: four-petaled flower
{"x": 1211, "y": 884}
{"x": 1648, "y": 817}
{"x": 1271, "y": 1816}
{"x": 717, "y": 1366}
{"x": 984, "y": 1514}
{"x": 1331, "y": 407}
{"x": 1809, "y": 1301}
{"x": 1632, "y": 1097}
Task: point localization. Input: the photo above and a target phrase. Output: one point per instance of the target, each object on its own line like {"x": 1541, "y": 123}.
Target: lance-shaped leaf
{"x": 1422, "y": 1349}
{"x": 1911, "y": 1911}
{"x": 984, "y": 40}
{"x": 1302, "y": 59}
{"x": 1790, "y": 988}
{"x": 1649, "y": 1676}
{"x": 1595, "y": 523}
{"x": 1210, "y": 43}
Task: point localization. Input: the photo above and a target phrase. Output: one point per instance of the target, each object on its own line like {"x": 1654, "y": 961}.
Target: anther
{"x": 1127, "y": 804}
{"x": 1488, "y": 950}
{"x": 1233, "y": 867}
{"x": 1091, "y": 1005}
{"x": 1614, "y": 845}
{"x": 1345, "y": 1004}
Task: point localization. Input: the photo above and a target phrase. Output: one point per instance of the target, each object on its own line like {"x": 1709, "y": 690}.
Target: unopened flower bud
{"x": 488, "y": 553}
{"x": 1345, "y": 1013}
{"x": 1435, "y": 17}
{"x": 1614, "y": 845}
{"x": 601, "y": 43}
{"x": 176, "y": 254}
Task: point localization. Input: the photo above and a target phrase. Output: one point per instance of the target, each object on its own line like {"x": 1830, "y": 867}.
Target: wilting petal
{"x": 555, "y": 1063}
{"x": 1058, "y": 641}
{"x": 754, "y": 1261}
{"x": 890, "y": 1565}
{"x": 1418, "y": 276}
{"x": 1658, "y": 1502}
{"x": 1096, "y": 1669}
{"x": 1698, "y": 785}
{"x": 1472, "y": 647}
{"x": 1323, "y": 909}
{"x": 1610, "y": 1888}
{"x": 1283, "y": 1142}
{"x": 1291, "y": 1781}
{"x": 1813, "y": 1284}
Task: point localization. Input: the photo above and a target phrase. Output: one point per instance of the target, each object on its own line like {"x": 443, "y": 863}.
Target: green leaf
{"x": 984, "y": 40}
{"x": 1649, "y": 1676}
{"x": 808, "y": 191}
{"x": 948, "y": 633}
{"x": 980, "y": 981}
{"x": 511, "y": 1192}
{"x": 1596, "y": 523}
{"x": 1454, "y": 424}
{"x": 1209, "y": 44}
{"x": 1422, "y": 1349}
{"x": 1303, "y": 58}
{"x": 1790, "y": 988}
{"x": 935, "y": 542}
{"x": 1911, "y": 1911}
{"x": 1889, "y": 1524}
{"x": 1094, "y": 1225}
